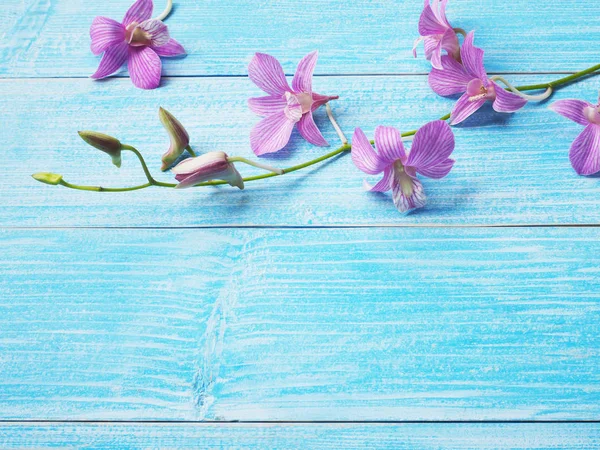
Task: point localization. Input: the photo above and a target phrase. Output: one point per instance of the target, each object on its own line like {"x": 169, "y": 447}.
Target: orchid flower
{"x": 139, "y": 40}
{"x": 209, "y": 166}
{"x": 285, "y": 106}
{"x": 180, "y": 139}
{"x": 429, "y": 156}
{"x": 585, "y": 149}
{"x": 471, "y": 80}
{"x": 437, "y": 34}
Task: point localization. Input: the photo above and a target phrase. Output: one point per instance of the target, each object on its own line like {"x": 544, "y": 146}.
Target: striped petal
{"x": 472, "y": 58}
{"x": 309, "y": 130}
{"x": 507, "y": 102}
{"x": 144, "y": 67}
{"x": 138, "y": 12}
{"x": 585, "y": 151}
{"x": 302, "y": 81}
{"x": 105, "y": 33}
{"x": 268, "y": 105}
{"x": 464, "y": 108}
{"x": 112, "y": 60}
{"x": 364, "y": 156}
{"x": 453, "y": 79}
{"x": 157, "y": 32}
{"x": 385, "y": 184}
{"x": 407, "y": 192}
{"x": 572, "y": 109}
{"x": 388, "y": 141}
{"x": 271, "y": 134}
{"x": 432, "y": 146}
{"x": 429, "y": 23}
{"x": 170, "y": 49}
{"x": 266, "y": 72}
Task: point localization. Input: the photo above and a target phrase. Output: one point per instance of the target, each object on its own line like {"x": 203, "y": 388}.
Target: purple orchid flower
{"x": 437, "y": 34}
{"x": 139, "y": 40}
{"x": 585, "y": 149}
{"x": 285, "y": 106}
{"x": 429, "y": 156}
{"x": 471, "y": 80}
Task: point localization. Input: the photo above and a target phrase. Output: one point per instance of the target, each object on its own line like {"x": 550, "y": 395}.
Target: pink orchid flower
{"x": 139, "y": 40}
{"x": 437, "y": 34}
{"x": 471, "y": 80}
{"x": 428, "y": 156}
{"x": 206, "y": 167}
{"x": 585, "y": 149}
{"x": 285, "y": 106}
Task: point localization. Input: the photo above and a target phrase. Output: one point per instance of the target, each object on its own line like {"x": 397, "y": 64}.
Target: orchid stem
{"x": 255, "y": 164}
{"x": 166, "y": 12}
{"x": 534, "y": 98}
{"x": 337, "y": 128}
{"x": 460, "y": 31}
{"x": 151, "y": 180}
{"x": 191, "y": 151}
{"x": 103, "y": 189}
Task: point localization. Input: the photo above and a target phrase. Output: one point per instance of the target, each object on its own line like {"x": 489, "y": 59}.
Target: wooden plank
{"x": 511, "y": 169}
{"x": 365, "y": 36}
{"x": 584, "y": 436}
{"x": 300, "y": 324}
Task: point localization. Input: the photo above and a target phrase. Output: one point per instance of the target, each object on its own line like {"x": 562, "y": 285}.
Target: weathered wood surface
{"x": 316, "y": 324}
{"x": 510, "y": 169}
{"x": 50, "y": 38}
{"x": 304, "y": 436}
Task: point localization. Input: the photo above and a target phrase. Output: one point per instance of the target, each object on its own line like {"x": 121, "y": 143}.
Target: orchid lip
{"x": 592, "y": 114}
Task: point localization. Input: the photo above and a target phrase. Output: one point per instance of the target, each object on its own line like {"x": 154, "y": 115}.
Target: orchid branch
{"x": 337, "y": 128}
{"x": 534, "y": 98}
{"x": 166, "y": 12}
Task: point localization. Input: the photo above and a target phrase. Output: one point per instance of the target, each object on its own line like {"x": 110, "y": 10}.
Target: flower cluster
{"x": 457, "y": 70}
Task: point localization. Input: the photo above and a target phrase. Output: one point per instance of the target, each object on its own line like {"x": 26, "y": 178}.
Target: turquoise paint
{"x": 354, "y": 314}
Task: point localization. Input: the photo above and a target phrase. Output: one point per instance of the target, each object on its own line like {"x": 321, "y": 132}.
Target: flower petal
{"x": 271, "y": 134}
{"x": 432, "y": 145}
{"x": 105, "y": 33}
{"x": 572, "y": 109}
{"x": 388, "y": 142}
{"x": 266, "y": 72}
{"x": 138, "y": 12}
{"x": 319, "y": 100}
{"x": 385, "y": 184}
{"x": 205, "y": 163}
{"x": 112, "y": 60}
{"x": 407, "y": 192}
{"x": 309, "y": 130}
{"x": 170, "y": 49}
{"x": 450, "y": 43}
{"x": 302, "y": 82}
{"x": 439, "y": 171}
{"x": 472, "y": 58}
{"x": 364, "y": 156}
{"x": 436, "y": 56}
{"x": 439, "y": 10}
{"x": 429, "y": 23}
{"x": 144, "y": 67}
{"x": 157, "y": 30}
{"x": 265, "y": 106}
{"x": 585, "y": 151}
{"x": 507, "y": 102}
{"x": 453, "y": 79}
{"x": 464, "y": 108}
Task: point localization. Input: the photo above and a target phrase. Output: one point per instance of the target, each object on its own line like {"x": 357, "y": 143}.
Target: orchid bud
{"x": 180, "y": 139}
{"x": 48, "y": 178}
{"x": 104, "y": 142}
{"x": 210, "y": 166}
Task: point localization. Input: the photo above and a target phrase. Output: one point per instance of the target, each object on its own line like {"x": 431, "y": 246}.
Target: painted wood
{"x": 50, "y": 38}
{"x": 510, "y": 169}
{"x": 300, "y": 324}
{"x": 306, "y": 436}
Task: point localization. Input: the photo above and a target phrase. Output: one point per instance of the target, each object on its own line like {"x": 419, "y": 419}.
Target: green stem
{"x": 103, "y": 189}
{"x": 191, "y": 151}
{"x": 344, "y": 148}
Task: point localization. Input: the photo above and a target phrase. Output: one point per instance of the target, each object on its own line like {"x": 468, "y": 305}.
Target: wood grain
{"x": 51, "y": 38}
{"x": 305, "y": 436}
{"x": 317, "y": 324}
{"x": 510, "y": 169}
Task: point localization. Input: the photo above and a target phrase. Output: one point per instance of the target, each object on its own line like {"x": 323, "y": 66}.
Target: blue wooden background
{"x": 301, "y": 312}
